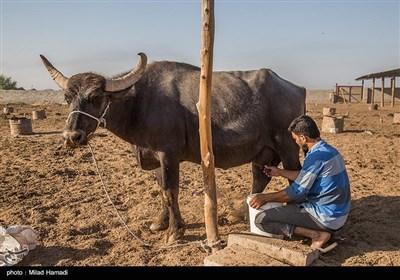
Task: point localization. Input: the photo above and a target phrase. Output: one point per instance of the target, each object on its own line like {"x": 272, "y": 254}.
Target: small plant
{"x": 7, "y": 83}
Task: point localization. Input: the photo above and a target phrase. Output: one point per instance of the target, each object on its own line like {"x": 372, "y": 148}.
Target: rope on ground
{"x": 109, "y": 198}
{"x": 207, "y": 247}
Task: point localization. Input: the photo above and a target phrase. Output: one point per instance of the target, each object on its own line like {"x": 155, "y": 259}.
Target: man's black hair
{"x": 304, "y": 125}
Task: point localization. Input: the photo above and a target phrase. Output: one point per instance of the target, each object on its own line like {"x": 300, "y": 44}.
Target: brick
{"x": 236, "y": 255}
{"x": 290, "y": 252}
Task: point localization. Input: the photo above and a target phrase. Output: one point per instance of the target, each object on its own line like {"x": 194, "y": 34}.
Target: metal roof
{"x": 384, "y": 74}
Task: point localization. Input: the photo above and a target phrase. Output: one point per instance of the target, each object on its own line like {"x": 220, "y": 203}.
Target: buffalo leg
{"x": 289, "y": 154}
{"x": 161, "y": 222}
{"x": 170, "y": 193}
{"x": 260, "y": 180}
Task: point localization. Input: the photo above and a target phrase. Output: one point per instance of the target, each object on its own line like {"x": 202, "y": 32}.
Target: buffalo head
{"x": 89, "y": 96}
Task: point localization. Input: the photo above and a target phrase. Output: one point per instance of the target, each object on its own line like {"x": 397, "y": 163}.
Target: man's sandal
{"x": 326, "y": 249}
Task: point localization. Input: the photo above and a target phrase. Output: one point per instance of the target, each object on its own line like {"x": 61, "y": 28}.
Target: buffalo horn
{"x": 57, "y": 76}
{"x": 129, "y": 79}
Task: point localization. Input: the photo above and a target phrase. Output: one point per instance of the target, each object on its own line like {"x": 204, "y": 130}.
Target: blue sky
{"x": 311, "y": 43}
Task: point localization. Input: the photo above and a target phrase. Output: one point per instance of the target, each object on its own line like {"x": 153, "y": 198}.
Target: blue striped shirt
{"x": 323, "y": 186}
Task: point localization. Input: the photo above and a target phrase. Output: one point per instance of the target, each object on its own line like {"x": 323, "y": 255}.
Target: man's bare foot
{"x": 320, "y": 239}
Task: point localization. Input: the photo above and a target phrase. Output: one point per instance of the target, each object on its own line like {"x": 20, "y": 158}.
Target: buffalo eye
{"x": 95, "y": 99}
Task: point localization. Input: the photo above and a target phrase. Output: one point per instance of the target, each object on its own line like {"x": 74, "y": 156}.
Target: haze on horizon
{"x": 311, "y": 43}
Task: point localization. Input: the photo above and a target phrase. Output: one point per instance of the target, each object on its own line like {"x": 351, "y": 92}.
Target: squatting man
{"x": 318, "y": 200}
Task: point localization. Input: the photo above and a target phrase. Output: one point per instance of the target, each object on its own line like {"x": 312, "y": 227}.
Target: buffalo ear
{"x": 68, "y": 98}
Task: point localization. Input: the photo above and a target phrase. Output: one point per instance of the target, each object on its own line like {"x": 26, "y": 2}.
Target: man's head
{"x": 303, "y": 130}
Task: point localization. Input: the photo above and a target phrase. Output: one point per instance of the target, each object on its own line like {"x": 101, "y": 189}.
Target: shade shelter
{"x": 392, "y": 74}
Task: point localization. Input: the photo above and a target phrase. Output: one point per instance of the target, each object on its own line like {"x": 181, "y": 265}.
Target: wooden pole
{"x": 350, "y": 87}
{"x": 336, "y": 93}
{"x": 362, "y": 90}
{"x": 204, "y": 109}
{"x": 373, "y": 92}
{"x": 393, "y": 86}
{"x": 383, "y": 92}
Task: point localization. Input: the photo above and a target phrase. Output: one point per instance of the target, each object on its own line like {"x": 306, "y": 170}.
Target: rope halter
{"x": 99, "y": 120}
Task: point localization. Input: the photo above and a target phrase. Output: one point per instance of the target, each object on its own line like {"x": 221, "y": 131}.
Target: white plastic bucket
{"x": 253, "y": 212}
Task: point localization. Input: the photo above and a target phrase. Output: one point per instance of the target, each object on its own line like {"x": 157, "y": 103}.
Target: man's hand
{"x": 271, "y": 171}
{"x": 258, "y": 200}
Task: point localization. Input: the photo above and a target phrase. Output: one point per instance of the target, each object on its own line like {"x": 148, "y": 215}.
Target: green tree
{"x": 7, "y": 83}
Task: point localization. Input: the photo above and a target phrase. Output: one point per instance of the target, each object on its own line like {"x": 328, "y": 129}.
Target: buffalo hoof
{"x": 158, "y": 226}
{"x": 172, "y": 236}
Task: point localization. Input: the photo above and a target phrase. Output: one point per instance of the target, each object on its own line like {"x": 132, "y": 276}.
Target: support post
{"x": 373, "y": 93}
{"x": 362, "y": 90}
{"x": 337, "y": 90}
{"x": 393, "y": 86}
{"x": 350, "y": 87}
{"x": 383, "y": 92}
{"x": 204, "y": 109}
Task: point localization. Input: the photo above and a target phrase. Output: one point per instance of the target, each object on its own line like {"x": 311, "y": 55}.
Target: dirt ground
{"x": 58, "y": 192}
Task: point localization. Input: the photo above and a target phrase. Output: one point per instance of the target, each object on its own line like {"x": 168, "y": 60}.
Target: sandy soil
{"x": 59, "y": 193}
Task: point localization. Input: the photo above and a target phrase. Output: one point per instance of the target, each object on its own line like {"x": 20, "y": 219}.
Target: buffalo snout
{"x": 74, "y": 138}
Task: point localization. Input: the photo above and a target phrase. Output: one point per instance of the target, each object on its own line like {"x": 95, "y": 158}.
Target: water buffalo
{"x": 153, "y": 107}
